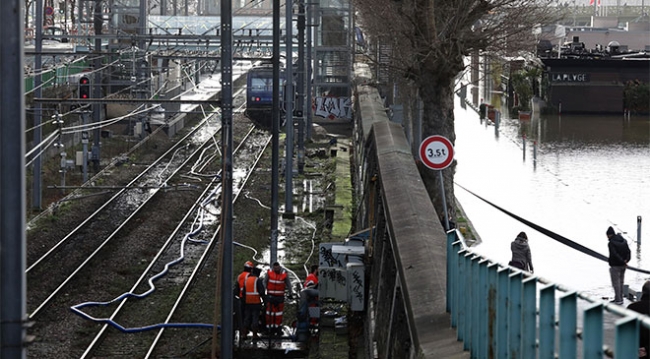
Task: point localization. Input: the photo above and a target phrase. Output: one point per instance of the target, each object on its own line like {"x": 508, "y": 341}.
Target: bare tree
{"x": 28, "y": 6}
{"x": 430, "y": 39}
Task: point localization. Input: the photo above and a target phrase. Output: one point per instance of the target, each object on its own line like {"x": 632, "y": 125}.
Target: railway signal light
{"x": 84, "y": 87}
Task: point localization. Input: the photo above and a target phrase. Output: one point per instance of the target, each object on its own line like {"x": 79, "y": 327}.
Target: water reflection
{"x": 574, "y": 175}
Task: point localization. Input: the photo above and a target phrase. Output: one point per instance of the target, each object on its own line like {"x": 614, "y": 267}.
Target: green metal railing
{"x": 499, "y": 312}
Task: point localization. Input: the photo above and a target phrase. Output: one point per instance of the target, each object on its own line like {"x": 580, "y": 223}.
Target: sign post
{"x": 437, "y": 153}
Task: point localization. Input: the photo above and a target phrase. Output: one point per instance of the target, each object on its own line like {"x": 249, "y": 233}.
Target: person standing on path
{"x": 241, "y": 279}
{"x": 254, "y": 297}
{"x": 619, "y": 255}
{"x": 521, "y": 257}
{"x": 311, "y": 282}
{"x": 238, "y": 292}
{"x": 276, "y": 283}
{"x": 643, "y": 306}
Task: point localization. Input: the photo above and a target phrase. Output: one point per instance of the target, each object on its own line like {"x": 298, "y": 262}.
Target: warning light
{"x": 84, "y": 87}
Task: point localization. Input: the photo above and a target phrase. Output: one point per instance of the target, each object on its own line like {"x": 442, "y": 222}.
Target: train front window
{"x": 262, "y": 84}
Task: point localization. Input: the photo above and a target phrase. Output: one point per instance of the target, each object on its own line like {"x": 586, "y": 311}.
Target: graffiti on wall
{"x": 333, "y": 107}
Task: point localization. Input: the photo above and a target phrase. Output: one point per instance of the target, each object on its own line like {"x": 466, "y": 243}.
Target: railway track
{"x": 115, "y": 242}
{"x": 171, "y": 273}
{"x": 153, "y": 240}
{"x": 68, "y": 257}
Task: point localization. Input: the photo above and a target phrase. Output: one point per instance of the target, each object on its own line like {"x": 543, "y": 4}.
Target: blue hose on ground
{"x": 188, "y": 237}
{"x": 552, "y": 235}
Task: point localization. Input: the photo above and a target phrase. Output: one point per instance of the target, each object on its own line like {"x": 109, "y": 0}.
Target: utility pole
{"x": 143, "y": 65}
{"x": 37, "y": 196}
{"x": 227, "y": 323}
{"x": 97, "y": 90}
{"x": 13, "y": 287}
{"x": 300, "y": 104}
{"x": 275, "y": 145}
{"x": 289, "y": 96}
{"x": 310, "y": 69}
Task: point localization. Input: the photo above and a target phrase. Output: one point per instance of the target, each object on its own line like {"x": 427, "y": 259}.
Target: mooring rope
{"x": 551, "y": 234}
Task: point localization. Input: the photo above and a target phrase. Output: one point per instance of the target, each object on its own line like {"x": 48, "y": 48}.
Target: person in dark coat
{"x": 521, "y": 257}
{"x": 643, "y": 306}
{"x": 619, "y": 255}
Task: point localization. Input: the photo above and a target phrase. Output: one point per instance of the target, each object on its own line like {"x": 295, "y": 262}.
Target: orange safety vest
{"x": 242, "y": 281}
{"x": 276, "y": 285}
{"x": 311, "y": 278}
{"x": 252, "y": 295}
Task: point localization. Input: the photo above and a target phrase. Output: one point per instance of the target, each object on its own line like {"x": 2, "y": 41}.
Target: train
{"x": 259, "y": 94}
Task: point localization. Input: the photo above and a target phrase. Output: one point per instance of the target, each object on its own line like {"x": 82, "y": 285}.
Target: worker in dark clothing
{"x": 643, "y": 306}
{"x": 254, "y": 297}
{"x": 619, "y": 255}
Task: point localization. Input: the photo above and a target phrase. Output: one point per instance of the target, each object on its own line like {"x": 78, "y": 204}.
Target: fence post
{"x": 481, "y": 328}
{"x": 529, "y": 318}
{"x": 514, "y": 315}
{"x": 592, "y": 336}
{"x": 454, "y": 283}
{"x": 568, "y": 325}
{"x": 451, "y": 237}
{"x": 627, "y": 338}
{"x": 502, "y": 313}
{"x": 491, "y": 312}
{"x": 547, "y": 322}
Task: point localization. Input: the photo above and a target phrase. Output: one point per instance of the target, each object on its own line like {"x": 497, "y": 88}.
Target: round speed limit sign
{"x": 436, "y": 152}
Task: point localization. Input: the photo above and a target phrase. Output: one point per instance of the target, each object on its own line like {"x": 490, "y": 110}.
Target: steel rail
{"x": 120, "y": 226}
{"x": 199, "y": 264}
{"x": 100, "y": 335}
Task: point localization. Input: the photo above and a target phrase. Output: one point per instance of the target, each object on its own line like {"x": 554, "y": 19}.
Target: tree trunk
{"x": 438, "y": 119}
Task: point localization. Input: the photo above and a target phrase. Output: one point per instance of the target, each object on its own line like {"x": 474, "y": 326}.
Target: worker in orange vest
{"x": 248, "y": 266}
{"x": 312, "y": 278}
{"x": 311, "y": 282}
{"x": 254, "y": 296}
{"x": 239, "y": 296}
{"x": 276, "y": 283}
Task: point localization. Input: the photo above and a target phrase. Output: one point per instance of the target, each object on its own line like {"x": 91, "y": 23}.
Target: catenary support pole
{"x": 96, "y": 86}
{"x": 289, "y": 96}
{"x": 275, "y": 180}
{"x": 12, "y": 182}
{"x": 300, "y": 99}
{"x": 227, "y": 322}
{"x": 37, "y": 183}
{"x": 310, "y": 71}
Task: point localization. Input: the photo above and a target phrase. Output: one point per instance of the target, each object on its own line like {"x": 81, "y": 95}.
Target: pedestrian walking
{"x": 276, "y": 283}
{"x": 619, "y": 255}
{"x": 521, "y": 257}
{"x": 643, "y": 306}
{"x": 254, "y": 297}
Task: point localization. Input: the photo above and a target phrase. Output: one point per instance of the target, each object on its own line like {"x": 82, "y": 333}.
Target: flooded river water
{"x": 590, "y": 172}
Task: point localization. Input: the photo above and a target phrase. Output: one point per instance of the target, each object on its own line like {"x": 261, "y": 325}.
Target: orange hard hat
{"x": 249, "y": 264}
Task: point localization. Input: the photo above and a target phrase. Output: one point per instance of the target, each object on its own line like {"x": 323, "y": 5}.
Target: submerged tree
{"x": 430, "y": 40}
